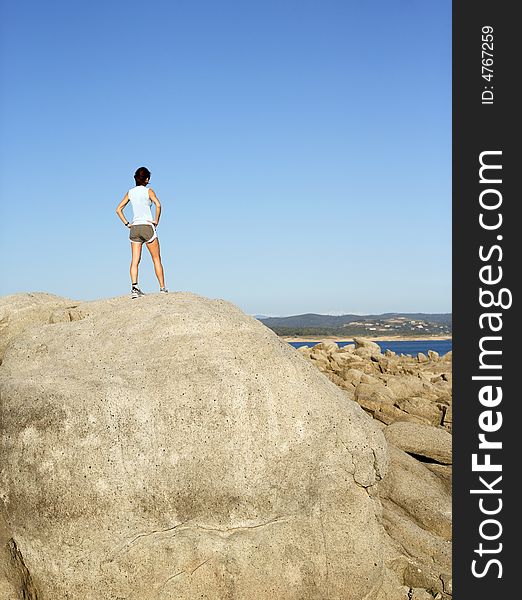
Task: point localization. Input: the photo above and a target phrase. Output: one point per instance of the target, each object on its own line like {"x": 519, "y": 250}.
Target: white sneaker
{"x": 136, "y": 292}
{"x": 164, "y": 291}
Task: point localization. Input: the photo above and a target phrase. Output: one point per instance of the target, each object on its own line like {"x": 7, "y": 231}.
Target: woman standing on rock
{"x": 142, "y": 228}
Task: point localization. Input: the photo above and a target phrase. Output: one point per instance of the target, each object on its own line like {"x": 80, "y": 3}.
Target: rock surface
{"x": 411, "y": 399}
{"x": 171, "y": 447}
{"x": 422, "y": 440}
{"x": 23, "y": 311}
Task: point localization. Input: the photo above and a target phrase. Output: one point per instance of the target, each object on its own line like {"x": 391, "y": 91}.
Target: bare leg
{"x": 135, "y": 261}
{"x": 154, "y": 250}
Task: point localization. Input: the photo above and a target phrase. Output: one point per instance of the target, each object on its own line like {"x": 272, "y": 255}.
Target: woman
{"x": 142, "y": 228}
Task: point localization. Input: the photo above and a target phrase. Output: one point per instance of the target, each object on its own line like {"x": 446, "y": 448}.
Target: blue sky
{"x": 301, "y": 150}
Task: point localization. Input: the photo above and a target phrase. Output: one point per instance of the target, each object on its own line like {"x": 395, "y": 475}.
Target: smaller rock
{"x": 374, "y": 392}
{"x": 422, "y": 358}
{"x": 366, "y": 348}
{"x": 341, "y": 359}
{"x": 370, "y": 379}
{"x": 389, "y": 364}
{"x": 421, "y": 407}
{"x": 326, "y": 346}
{"x": 353, "y": 376}
{"x": 347, "y": 348}
{"x": 432, "y": 355}
{"x": 422, "y": 440}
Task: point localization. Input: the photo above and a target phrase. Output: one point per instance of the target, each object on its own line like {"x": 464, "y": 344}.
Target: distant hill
{"x": 387, "y": 323}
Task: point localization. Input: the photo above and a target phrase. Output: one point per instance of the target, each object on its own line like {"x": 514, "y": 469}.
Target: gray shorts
{"x": 142, "y": 233}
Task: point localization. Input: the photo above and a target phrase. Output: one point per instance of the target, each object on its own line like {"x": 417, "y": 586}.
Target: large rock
{"x": 172, "y": 447}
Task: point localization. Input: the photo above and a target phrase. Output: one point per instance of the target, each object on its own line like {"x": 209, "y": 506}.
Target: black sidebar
{"x": 487, "y": 363}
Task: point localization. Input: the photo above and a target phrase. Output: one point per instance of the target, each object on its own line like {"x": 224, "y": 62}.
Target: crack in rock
{"x": 182, "y": 527}
{"x": 158, "y": 589}
{"x": 28, "y": 589}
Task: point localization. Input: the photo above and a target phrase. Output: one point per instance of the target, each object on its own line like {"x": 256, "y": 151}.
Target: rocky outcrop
{"x": 389, "y": 387}
{"x": 172, "y": 447}
{"x": 411, "y": 398}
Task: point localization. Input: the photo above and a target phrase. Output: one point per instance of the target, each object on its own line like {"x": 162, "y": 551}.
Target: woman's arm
{"x": 120, "y": 207}
{"x": 154, "y": 198}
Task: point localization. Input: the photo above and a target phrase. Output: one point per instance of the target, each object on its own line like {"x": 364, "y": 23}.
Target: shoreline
{"x": 391, "y": 338}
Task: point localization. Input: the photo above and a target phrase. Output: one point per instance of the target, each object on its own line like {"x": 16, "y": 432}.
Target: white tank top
{"x": 139, "y": 199}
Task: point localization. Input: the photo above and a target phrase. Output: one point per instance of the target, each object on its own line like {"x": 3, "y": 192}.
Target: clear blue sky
{"x": 301, "y": 150}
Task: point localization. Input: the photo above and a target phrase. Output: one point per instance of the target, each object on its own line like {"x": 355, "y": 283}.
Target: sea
{"x": 412, "y": 347}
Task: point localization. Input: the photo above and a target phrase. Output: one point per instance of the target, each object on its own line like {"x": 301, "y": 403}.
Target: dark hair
{"x": 141, "y": 175}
